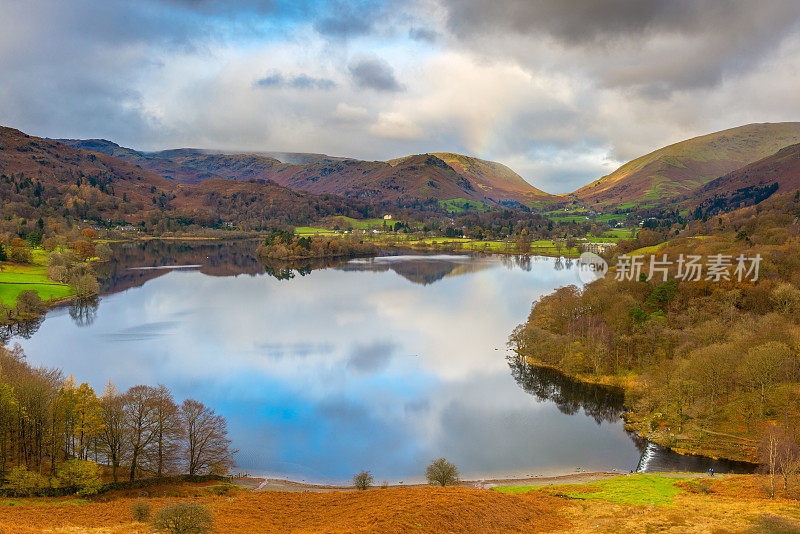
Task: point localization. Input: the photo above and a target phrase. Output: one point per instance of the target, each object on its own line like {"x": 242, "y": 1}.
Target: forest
{"x": 709, "y": 366}
{"x": 56, "y": 432}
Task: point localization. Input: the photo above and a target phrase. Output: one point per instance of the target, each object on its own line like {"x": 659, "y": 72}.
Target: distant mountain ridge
{"x": 411, "y": 180}
{"x": 682, "y": 167}
{"x": 51, "y": 176}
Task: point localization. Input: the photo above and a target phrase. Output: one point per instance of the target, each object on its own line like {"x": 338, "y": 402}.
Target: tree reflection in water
{"x": 24, "y": 329}
{"x": 603, "y": 403}
{"x": 84, "y": 311}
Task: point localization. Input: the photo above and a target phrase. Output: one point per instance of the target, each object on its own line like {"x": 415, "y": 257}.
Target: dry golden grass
{"x": 393, "y": 510}
{"x": 732, "y": 506}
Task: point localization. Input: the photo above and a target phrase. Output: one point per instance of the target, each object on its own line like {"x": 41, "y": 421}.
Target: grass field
{"x": 309, "y": 230}
{"x": 15, "y": 278}
{"x": 463, "y": 244}
{"x": 640, "y": 489}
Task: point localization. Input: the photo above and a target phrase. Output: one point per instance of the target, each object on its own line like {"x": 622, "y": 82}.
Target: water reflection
{"x": 327, "y": 368}
{"x": 84, "y": 311}
{"x": 602, "y": 403}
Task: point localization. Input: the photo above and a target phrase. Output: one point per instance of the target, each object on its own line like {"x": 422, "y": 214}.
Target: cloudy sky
{"x": 561, "y": 91}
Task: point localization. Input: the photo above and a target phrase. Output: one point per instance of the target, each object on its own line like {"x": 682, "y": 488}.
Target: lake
{"x": 326, "y": 369}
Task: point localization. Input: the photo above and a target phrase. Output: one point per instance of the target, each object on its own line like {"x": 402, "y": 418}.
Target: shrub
{"x": 28, "y": 301}
{"x": 363, "y": 480}
{"x": 24, "y": 482}
{"x": 767, "y": 524}
{"x": 3, "y": 255}
{"x": 140, "y": 510}
{"x": 82, "y": 474}
{"x": 183, "y": 518}
{"x": 442, "y": 472}
{"x": 19, "y": 255}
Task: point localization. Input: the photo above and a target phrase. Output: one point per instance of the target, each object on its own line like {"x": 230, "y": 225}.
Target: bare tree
{"x": 113, "y": 438}
{"x": 207, "y": 445}
{"x": 163, "y": 454}
{"x": 139, "y": 417}
{"x": 770, "y": 451}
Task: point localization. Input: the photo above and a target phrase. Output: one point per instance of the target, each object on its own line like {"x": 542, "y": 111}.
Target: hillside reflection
{"x": 602, "y": 403}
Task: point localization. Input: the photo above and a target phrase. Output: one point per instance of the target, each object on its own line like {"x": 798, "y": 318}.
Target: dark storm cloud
{"x": 625, "y": 39}
{"x": 374, "y": 73}
{"x": 300, "y": 81}
{"x": 585, "y": 21}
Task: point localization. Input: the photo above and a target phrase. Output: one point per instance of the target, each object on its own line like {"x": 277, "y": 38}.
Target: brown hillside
{"x": 681, "y": 167}
{"x": 412, "y": 180}
{"x": 43, "y": 177}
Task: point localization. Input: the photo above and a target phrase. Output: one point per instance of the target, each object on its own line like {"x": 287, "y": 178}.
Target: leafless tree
{"x": 164, "y": 452}
{"x": 140, "y": 423}
{"x": 779, "y": 456}
{"x": 207, "y": 447}
{"x": 113, "y": 439}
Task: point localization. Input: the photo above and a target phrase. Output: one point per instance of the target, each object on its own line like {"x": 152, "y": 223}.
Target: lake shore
{"x": 279, "y": 484}
{"x": 725, "y": 446}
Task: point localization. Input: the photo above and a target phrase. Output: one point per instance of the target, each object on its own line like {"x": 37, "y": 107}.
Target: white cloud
{"x": 393, "y": 125}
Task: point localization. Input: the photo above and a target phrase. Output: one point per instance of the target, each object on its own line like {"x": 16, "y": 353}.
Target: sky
{"x": 561, "y": 92}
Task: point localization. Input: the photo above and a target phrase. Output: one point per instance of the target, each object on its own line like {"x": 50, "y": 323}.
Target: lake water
{"x": 381, "y": 364}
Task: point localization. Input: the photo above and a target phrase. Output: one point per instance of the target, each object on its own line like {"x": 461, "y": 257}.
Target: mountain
{"x": 46, "y": 178}
{"x": 417, "y": 180}
{"x": 777, "y": 173}
{"x": 676, "y": 169}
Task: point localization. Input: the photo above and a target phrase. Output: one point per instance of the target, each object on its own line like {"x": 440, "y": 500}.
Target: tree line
{"x": 707, "y": 365}
{"x": 47, "y": 421}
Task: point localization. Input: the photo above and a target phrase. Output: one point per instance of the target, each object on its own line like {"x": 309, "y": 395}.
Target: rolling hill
{"x": 46, "y": 178}
{"x": 676, "y": 169}
{"x": 775, "y": 174}
{"x": 417, "y": 180}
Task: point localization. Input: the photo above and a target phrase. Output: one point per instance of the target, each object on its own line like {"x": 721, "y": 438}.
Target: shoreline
{"x": 280, "y": 484}
{"x": 635, "y": 421}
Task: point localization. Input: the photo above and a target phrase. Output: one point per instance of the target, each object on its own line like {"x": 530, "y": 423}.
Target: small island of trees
{"x": 285, "y": 245}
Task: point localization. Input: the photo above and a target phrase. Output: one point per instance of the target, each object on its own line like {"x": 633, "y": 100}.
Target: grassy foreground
{"x": 634, "y": 503}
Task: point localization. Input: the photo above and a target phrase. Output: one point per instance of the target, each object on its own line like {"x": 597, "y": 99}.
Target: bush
{"x": 82, "y": 474}
{"x": 3, "y": 255}
{"x": 442, "y": 472}
{"x": 24, "y": 482}
{"x": 767, "y": 524}
{"x": 363, "y": 480}
{"x": 28, "y": 301}
{"x": 20, "y": 255}
{"x": 183, "y": 518}
{"x": 140, "y": 510}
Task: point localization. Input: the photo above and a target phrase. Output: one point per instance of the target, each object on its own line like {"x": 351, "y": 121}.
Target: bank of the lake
{"x": 715, "y": 444}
